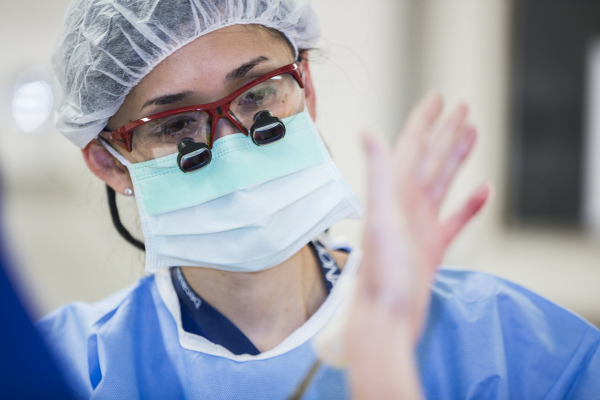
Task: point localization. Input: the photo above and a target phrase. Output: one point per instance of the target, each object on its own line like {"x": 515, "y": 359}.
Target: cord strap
{"x": 114, "y": 213}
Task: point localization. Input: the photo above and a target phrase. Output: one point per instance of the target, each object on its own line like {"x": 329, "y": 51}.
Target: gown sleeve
{"x": 70, "y": 333}
{"x": 487, "y": 338}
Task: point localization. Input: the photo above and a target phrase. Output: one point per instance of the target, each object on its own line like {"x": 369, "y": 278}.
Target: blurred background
{"x": 530, "y": 70}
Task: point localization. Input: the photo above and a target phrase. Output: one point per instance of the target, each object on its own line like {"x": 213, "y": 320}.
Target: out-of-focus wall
{"x": 371, "y": 64}
{"x": 462, "y": 48}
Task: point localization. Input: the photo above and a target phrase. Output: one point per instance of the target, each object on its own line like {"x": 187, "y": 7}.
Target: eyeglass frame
{"x": 216, "y": 109}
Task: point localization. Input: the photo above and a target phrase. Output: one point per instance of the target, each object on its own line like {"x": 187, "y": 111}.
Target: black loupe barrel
{"x": 192, "y": 156}
{"x": 266, "y": 129}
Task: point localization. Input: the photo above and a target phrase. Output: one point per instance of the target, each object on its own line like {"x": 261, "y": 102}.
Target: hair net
{"x": 107, "y": 46}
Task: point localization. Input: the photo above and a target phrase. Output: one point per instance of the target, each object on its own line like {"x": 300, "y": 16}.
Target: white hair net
{"x": 107, "y": 46}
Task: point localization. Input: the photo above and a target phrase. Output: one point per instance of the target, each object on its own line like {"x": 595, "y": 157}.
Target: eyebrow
{"x": 242, "y": 70}
{"x": 237, "y": 73}
{"x": 167, "y": 99}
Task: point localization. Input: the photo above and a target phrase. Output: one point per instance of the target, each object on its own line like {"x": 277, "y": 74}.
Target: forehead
{"x": 205, "y": 61}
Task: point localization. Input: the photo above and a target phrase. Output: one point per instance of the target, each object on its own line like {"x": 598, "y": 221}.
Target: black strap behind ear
{"x": 114, "y": 213}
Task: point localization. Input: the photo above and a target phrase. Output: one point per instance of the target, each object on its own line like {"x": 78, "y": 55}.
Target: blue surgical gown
{"x": 486, "y": 338}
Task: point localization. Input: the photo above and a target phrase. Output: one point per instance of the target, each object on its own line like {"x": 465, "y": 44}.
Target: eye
{"x": 257, "y": 97}
{"x": 174, "y": 127}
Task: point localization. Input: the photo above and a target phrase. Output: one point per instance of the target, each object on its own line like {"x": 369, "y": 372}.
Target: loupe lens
{"x": 195, "y": 162}
{"x": 269, "y": 134}
{"x": 192, "y": 156}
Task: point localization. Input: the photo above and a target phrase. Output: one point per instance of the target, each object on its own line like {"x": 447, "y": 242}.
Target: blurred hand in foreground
{"x": 404, "y": 243}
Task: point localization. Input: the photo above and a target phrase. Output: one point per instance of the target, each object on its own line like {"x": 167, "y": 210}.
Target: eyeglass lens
{"x": 281, "y": 95}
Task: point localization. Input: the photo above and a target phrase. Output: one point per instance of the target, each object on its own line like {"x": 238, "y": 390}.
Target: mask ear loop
{"x": 114, "y": 213}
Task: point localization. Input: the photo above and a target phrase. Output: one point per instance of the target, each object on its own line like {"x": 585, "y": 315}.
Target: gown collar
{"x": 300, "y": 336}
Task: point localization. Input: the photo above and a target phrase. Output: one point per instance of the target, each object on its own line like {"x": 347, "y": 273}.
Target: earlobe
{"x": 106, "y": 167}
{"x": 309, "y": 91}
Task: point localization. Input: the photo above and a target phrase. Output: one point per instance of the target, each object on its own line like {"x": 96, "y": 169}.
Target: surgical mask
{"x": 250, "y": 209}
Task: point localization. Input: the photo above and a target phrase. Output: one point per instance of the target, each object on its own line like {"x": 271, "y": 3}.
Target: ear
{"x": 309, "y": 91}
{"x": 106, "y": 167}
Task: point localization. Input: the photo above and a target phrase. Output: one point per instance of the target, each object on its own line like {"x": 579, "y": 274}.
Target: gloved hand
{"x": 404, "y": 243}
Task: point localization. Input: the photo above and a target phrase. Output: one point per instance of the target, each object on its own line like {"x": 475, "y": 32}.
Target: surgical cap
{"x": 107, "y": 46}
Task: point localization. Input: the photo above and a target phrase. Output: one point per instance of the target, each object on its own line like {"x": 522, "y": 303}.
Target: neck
{"x": 267, "y": 306}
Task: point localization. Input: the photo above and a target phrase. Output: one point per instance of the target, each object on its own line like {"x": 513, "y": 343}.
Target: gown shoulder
{"x": 68, "y": 330}
{"x": 487, "y": 337}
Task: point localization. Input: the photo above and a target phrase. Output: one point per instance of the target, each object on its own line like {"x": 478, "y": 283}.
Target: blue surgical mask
{"x": 250, "y": 209}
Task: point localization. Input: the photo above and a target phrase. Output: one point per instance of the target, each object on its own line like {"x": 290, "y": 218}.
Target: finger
{"x": 457, "y": 222}
{"x": 380, "y": 175}
{"x": 378, "y": 204}
{"x": 420, "y": 120}
{"x": 385, "y": 269}
{"x": 423, "y": 114}
{"x": 447, "y": 171}
{"x": 442, "y": 143}
{"x": 443, "y": 133}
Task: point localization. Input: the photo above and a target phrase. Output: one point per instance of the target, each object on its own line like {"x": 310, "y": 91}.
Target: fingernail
{"x": 371, "y": 145}
{"x": 467, "y": 141}
{"x": 431, "y": 94}
{"x": 487, "y": 190}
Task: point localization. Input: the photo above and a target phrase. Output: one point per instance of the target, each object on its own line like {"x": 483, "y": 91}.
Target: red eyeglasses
{"x": 255, "y": 109}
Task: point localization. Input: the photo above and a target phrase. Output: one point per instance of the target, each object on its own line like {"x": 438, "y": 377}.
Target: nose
{"x": 224, "y": 128}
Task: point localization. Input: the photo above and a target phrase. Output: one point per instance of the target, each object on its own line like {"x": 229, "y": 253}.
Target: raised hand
{"x": 404, "y": 243}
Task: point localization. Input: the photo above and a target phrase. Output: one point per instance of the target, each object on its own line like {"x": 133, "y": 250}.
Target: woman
{"x": 204, "y": 112}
